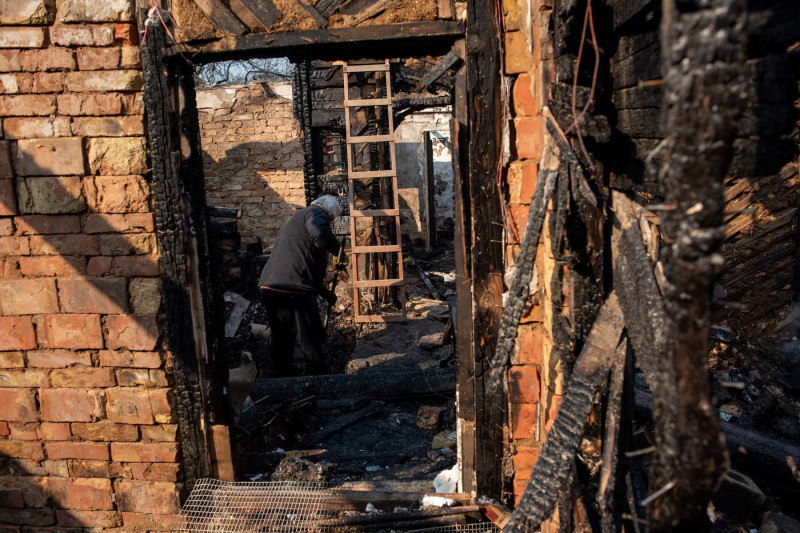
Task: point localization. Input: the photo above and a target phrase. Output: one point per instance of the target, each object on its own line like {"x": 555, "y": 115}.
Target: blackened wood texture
{"x": 434, "y": 35}
{"x": 172, "y": 230}
{"x": 486, "y": 232}
{"x": 222, "y": 16}
{"x": 264, "y": 10}
{"x": 703, "y": 49}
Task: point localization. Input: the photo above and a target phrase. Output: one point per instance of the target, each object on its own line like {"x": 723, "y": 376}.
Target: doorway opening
{"x": 272, "y": 142}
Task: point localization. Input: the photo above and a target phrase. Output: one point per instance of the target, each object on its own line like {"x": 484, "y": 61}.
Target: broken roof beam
{"x": 316, "y": 15}
{"x": 401, "y": 38}
{"x": 263, "y": 10}
{"x": 439, "y": 69}
{"x": 326, "y": 8}
{"x": 222, "y": 16}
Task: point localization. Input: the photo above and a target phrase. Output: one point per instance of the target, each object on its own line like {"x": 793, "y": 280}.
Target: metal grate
{"x": 232, "y": 507}
{"x": 482, "y": 527}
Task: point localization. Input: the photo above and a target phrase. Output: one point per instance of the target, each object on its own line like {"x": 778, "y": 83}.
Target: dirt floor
{"x": 326, "y": 428}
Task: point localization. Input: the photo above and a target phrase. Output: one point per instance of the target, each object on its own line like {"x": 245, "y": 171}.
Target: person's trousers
{"x": 294, "y": 318}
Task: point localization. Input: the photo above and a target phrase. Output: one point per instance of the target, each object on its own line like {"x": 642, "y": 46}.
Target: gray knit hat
{"x": 330, "y": 204}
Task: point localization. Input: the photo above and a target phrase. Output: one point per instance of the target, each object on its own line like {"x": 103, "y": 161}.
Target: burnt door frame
{"x": 179, "y": 197}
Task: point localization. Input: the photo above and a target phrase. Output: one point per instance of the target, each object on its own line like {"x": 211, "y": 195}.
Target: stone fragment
{"x": 429, "y": 417}
{"x": 145, "y": 295}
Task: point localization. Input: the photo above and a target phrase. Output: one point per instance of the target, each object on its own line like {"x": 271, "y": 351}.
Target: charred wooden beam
{"x": 326, "y": 8}
{"x": 703, "y": 49}
{"x": 485, "y": 142}
{"x": 316, "y": 15}
{"x": 330, "y": 42}
{"x": 222, "y": 16}
{"x": 445, "y": 64}
{"x": 551, "y": 471}
{"x": 263, "y": 10}
{"x": 172, "y": 231}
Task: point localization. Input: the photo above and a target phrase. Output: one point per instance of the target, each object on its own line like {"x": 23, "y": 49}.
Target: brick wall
{"x": 87, "y": 426}
{"x": 534, "y": 385}
{"x": 253, "y": 159}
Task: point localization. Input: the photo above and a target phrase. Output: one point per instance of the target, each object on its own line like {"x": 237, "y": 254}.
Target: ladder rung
{"x": 368, "y": 102}
{"x": 380, "y": 248}
{"x": 377, "y": 282}
{"x": 371, "y": 174}
{"x": 367, "y": 213}
{"x": 380, "y": 318}
{"x": 370, "y": 139}
{"x": 378, "y": 67}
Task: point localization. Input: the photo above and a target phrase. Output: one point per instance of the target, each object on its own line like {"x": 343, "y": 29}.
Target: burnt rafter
{"x": 263, "y": 10}
{"x": 222, "y": 16}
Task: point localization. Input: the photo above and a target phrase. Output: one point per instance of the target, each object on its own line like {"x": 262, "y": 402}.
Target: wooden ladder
{"x": 369, "y": 217}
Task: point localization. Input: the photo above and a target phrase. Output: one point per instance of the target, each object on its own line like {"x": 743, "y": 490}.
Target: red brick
{"x": 524, "y": 384}
{"x": 106, "y": 432}
{"x": 94, "y": 104}
{"x": 49, "y": 82}
{"x": 127, "y": 358}
{"x": 103, "y": 469}
{"x": 150, "y": 522}
{"x": 518, "y": 54}
{"x": 524, "y": 103}
{"x": 535, "y": 314}
{"x": 100, "y": 266}
{"x": 126, "y": 34}
{"x": 27, "y": 517}
{"x": 88, "y": 519}
{"x": 124, "y": 126}
{"x": 118, "y": 194}
{"x": 6, "y": 171}
{"x": 132, "y": 377}
{"x": 47, "y": 59}
{"x": 138, "y": 452}
{"x": 27, "y": 105}
{"x": 29, "y": 431}
{"x": 81, "y": 35}
{"x": 92, "y": 58}
{"x": 129, "y": 406}
{"x": 156, "y": 471}
{"x": 22, "y": 37}
{"x": 551, "y": 407}
{"x": 9, "y": 61}
{"x": 15, "y": 246}
{"x": 87, "y": 377}
{"x": 162, "y": 403}
{"x": 10, "y": 359}
{"x": 135, "y": 222}
{"x": 36, "y": 127}
{"x": 519, "y": 214}
{"x": 17, "y": 83}
{"x": 16, "y": 333}
{"x": 77, "y": 450}
{"x": 87, "y": 494}
{"x": 11, "y": 498}
{"x": 529, "y": 137}
{"x": 19, "y": 405}
{"x": 72, "y": 244}
{"x": 22, "y": 450}
{"x": 523, "y": 420}
{"x": 29, "y": 378}
{"x": 50, "y": 195}
{"x": 55, "y": 430}
{"x": 48, "y": 224}
{"x": 8, "y": 197}
{"x": 58, "y": 358}
{"x": 161, "y": 433}
{"x": 530, "y": 345}
{"x": 60, "y": 266}
{"x": 69, "y": 405}
{"x": 71, "y": 331}
{"x": 106, "y": 80}
{"x": 28, "y": 296}
{"x": 524, "y": 459}
{"x": 134, "y": 266}
{"x": 522, "y": 177}
{"x": 126, "y": 244}
{"x": 131, "y": 332}
{"x": 7, "y": 228}
{"x": 93, "y": 295}
{"x": 5, "y": 431}
{"x": 153, "y": 498}
{"x": 50, "y": 157}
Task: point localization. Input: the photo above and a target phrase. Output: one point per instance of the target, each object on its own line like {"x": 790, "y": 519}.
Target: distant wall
{"x": 252, "y": 156}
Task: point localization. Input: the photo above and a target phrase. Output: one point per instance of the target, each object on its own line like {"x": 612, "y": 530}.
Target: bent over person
{"x": 290, "y": 282}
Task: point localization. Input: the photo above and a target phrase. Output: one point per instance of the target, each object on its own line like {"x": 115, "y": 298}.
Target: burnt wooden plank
{"x": 638, "y": 97}
{"x": 640, "y": 123}
{"x": 551, "y": 471}
{"x": 327, "y": 42}
{"x": 172, "y": 229}
{"x": 484, "y": 142}
{"x": 374, "y": 9}
{"x": 631, "y": 43}
{"x": 702, "y": 83}
{"x": 639, "y": 67}
{"x": 326, "y": 8}
{"x": 316, "y": 15}
{"x": 222, "y": 16}
{"x": 439, "y": 69}
{"x": 464, "y": 333}
{"x": 354, "y": 7}
{"x": 625, "y": 10}
{"x": 265, "y": 11}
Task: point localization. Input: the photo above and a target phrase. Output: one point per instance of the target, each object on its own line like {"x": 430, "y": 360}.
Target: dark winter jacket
{"x": 299, "y": 257}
